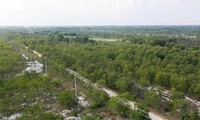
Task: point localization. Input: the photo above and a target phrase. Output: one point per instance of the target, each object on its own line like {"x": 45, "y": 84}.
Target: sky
{"x": 99, "y": 12}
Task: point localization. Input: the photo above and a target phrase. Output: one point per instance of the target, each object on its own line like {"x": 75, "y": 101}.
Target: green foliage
{"x": 70, "y": 34}
{"x": 67, "y": 99}
{"x": 197, "y": 88}
{"x": 37, "y": 113}
{"x": 162, "y": 79}
{"x": 118, "y": 107}
{"x": 143, "y": 82}
{"x": 123, "y": 84}
{"x": 90, "y": 117}
{"x": 141, "y": 113}
{"x": 167, "y": 107}
{"x": 177, "y": 96}
{"x": 183, "y": 106}
{"x": 101, "y": 82}
{"x": 59, "y": 37}
{"x": 120, "y": 64}
{"x": 9, "y": 58}
{"x": 127, "y": 96}
{"x": 191, "y": 116}
{"x": 52, "y": 116}
{"x": 111, "y": 79}
{"x": 157, "y": 42}
{"x": 83, "y": 39}
{"x": 148, "y": 55}
{"x": 29, "y": 88}
{"x": 99, "y": 98}
{"x": 137, "y": 115}
{"x": 152, "y": 99}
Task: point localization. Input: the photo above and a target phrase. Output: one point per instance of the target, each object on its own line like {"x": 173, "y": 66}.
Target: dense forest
{"x": 9, "y": 58}
{"x": 159, "y": 57}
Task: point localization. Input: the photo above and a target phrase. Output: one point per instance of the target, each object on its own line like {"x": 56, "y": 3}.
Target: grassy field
{"x": 105, "y": 39}
{"x": 70, "y": 36}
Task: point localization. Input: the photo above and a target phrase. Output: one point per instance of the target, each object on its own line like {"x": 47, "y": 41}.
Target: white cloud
{"x": 90, "y": 12}
{"x": 173, "y": 2}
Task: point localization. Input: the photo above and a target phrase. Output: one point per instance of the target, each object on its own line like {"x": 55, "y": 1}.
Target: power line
{"x": 77, "y": 75}
{"x": 46, "y": 65}
{"x": 75, "y": 84}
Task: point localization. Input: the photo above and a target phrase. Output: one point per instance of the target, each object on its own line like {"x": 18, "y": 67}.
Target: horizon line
{"x": 98, "y": 25}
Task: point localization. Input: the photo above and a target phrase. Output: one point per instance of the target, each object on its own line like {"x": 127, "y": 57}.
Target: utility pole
{"x": 46, "y": 66}
{"x": 30, "y": 56}
{"x": 75, "y": 87}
